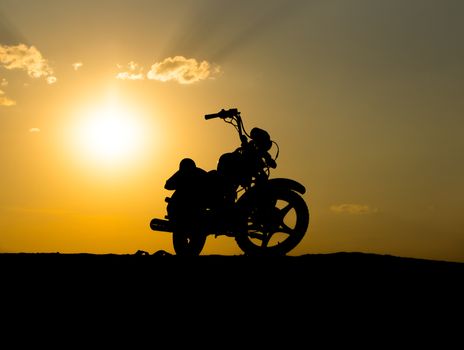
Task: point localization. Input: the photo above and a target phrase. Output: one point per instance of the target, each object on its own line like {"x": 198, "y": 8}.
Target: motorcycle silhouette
{"x": 266, "y": 216}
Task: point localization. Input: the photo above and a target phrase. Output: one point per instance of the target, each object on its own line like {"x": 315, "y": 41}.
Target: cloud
{"x": 51, "y": 80}
{"x": 5, "y": 101}
{"x": 133, "y": 72}
{"x": 77, "y": 65}
{"x": 34, "y": 130}
{"x": 356, "y": 209}
{"x": 4, "y": 82}
{"x": 182, "y": 70}
{"x": 26, "y": 58}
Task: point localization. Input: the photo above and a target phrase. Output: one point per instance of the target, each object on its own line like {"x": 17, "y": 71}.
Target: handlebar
{"x": 259, "y": 136}
{"x": 223, "y": 114}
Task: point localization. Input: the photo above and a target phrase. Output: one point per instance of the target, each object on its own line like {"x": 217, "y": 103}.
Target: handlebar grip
{"x": 211, "y": 116}
{"x": 223, "y": 114}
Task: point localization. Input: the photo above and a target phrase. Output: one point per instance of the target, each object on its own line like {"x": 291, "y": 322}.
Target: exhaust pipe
{"x": 161, "y": 225}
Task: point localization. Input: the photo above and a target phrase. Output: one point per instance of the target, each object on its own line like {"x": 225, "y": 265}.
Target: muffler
{"x": 161, "y": 225}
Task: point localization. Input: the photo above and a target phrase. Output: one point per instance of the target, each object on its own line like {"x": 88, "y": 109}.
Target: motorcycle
{"x": 238, "y": 199}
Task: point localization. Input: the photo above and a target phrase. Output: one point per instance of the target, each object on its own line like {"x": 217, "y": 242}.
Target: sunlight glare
{"x": 111, "y": 135}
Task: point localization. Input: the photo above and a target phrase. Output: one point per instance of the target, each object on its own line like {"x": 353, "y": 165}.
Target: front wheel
{"x": 276, "y": 225}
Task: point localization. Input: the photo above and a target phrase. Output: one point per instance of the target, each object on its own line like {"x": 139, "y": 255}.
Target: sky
{"x": 100, "y": 100}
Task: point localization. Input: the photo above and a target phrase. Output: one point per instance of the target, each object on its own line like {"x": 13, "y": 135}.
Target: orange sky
{"x": 99, "y": 101}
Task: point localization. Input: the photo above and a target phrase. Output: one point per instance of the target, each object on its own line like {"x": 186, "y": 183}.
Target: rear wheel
{"x": 188, "y": 242}
{"x": 276, "y": 226}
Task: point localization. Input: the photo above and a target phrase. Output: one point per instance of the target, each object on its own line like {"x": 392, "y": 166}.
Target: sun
{"x": 110, "y": 134}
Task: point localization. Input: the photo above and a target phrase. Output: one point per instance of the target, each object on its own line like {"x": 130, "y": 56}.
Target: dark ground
{"x": 306, "y": 272}
{"x": 292, "y": 299}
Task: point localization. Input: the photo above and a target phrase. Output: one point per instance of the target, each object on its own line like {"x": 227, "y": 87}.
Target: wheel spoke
{"x": 283, "y": 227}
{"x": 266, "y": 239}
{"x": 284, "y": 211}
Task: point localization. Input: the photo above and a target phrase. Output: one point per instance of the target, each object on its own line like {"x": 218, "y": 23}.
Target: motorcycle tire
{"x": 258, "y": 237}
{"x": 187, "y": 243}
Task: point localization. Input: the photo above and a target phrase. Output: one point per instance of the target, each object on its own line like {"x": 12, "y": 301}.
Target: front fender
{"x": 268, "y": 187}
{"x": 286, "y": 183}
